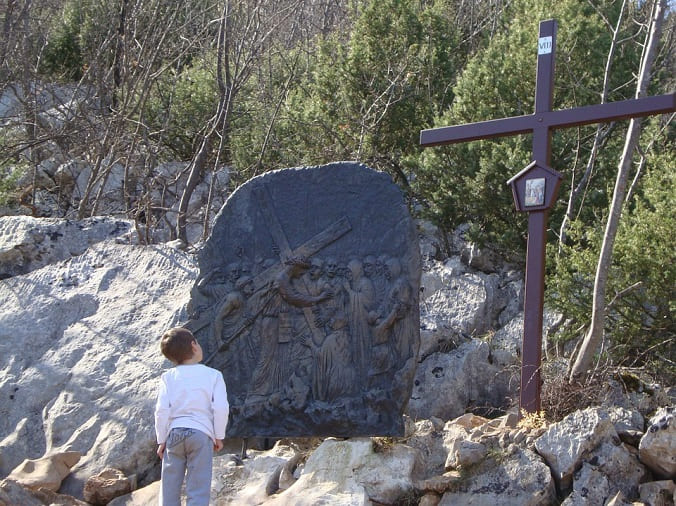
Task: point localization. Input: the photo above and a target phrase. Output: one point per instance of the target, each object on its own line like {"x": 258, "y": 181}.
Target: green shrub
{"x": 640, "y": 328}
{"x": 62, "y": 57}
{"x": 9, "y": 176}
{"x": 180, "y": 106}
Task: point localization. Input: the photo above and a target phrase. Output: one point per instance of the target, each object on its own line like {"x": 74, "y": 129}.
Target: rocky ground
{"x": 82, "y": 305}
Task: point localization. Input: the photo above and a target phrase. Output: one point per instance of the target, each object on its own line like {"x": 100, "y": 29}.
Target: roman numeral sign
{"x": 535, "y": 188}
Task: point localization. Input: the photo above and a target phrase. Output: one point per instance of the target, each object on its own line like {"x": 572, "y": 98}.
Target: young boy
{"x": 190, "y": 419}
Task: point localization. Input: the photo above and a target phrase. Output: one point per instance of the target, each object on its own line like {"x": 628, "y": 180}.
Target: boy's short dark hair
{"x": 176, "y": 344}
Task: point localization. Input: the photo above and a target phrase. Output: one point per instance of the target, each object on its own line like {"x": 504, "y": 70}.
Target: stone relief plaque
{"x": 307, "y": 301}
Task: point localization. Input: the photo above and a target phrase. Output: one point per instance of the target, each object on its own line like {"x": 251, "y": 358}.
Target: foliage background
{"x": 262, "y": 84}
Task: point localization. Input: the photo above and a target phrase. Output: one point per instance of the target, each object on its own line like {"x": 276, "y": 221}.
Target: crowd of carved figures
{"x": 311, "y": 330}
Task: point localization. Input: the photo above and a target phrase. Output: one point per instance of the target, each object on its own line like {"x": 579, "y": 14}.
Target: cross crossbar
{"x": 565, "y": 118}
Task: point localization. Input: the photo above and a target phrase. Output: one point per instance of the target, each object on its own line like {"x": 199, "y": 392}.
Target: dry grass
{"x": 530, "y": 421}
{"x": 560, "y": 398}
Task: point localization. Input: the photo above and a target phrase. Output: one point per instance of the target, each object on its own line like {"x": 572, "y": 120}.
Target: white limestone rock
{"x": 79, "y": 358}
{"x": 13, "y": 494}
{"x": 590, "y": 486}
{"x": 507, "y": 341}
{"x": 29, "y": 243}
{"x": 105, "y": 486}
{"x": 482, "y": 259}
{"x": 110, "y": 187}
{"x": 514, "y": 290}
{"x": 601, "y": 468}
{"x": 145, "y": 496}
{"x": 167, "y": 186}
{"x": 657, "y": 448}
{"x": 565, "y": 444}
{"x": 619, "y": 463}
{"x": 619, "y": 499}
{"x": 252, "y": 482}
{"x": 66, "y": 174}
{"x": 467, "y": 454}
{"x": 44, "y": 96}
{"x": 46, "y": 472}
{"x": 430, "y": 241}
{"x": 628, "y": 423}
{"x": 437, "y": 275}
{"x": 446, "y": 384}
{"x": 468, "y": 303}
{"x": 351, "y": 472}
{"x": 518, "y": 478}
{"x": 428, "y": 439}
{"x": 454, "y": 435}
{"x": 658, "y": 493}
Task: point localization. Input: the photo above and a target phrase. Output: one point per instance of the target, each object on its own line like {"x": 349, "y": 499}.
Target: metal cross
{"x": 541, "y": 124}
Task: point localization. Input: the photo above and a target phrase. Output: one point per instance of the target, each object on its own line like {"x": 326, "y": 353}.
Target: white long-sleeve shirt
{"x": 191, "y": 396}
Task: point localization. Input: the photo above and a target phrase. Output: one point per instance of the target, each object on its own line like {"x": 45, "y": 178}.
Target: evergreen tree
{"x": 366, "y": 97}
{"x": 466, "y": 183}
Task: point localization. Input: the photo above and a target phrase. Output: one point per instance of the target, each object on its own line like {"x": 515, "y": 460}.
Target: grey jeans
{"x": 187, "y": 450}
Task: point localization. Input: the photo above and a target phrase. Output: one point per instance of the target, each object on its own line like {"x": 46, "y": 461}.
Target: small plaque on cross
{"x": 535, "y": 188}
{"x": 535, "y": 191}
{"x": 545, "y": 45}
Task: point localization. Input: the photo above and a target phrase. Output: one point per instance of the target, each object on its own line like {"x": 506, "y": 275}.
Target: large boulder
{"x": 46, "y": 472}
{"x": 428, "y": 439}
{"x": 658, "y": 492}
{"x": 29, "y": 243}
{"x": 13, "y": 494}
{"x": 105, "y": 486}
{"x": 565, "y": 444}
{"x": 629, "y": 423}
{"x": 516, "y": 477}
{"x": 507, "y": 340}
{"x": 149, "y": 494}
{"x": 455, "y": 434}
{"x": 590, "y": 486}
{"x": 353, "y": 472}
{"x": 80, "y": 359}
{"x": 466, "y": 302}
{"x": 358, "y": 471}
{"x": 657, "y": 448}
{"x": 619, "y": 463}
{"x": 447, "y": 384}
{"x": 586, "y": 454}
{"x": 436, "y": 276}
{"x": 255, "y": 480}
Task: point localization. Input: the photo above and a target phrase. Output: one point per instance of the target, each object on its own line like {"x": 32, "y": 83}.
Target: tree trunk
{"x": 594, "y": 337}
{"x": 194, "y": 178}
{"x": 119, "y": 53}
{"x": 601, "y": 133}
{"x": 199, "y": 162}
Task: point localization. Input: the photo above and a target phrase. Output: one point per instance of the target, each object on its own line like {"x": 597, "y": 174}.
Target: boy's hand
{"x": 160, "y": 450}
{"x": 218, "y": 445}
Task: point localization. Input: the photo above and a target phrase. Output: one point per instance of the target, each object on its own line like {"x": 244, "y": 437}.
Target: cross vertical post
{"x": 531, "y": 350}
